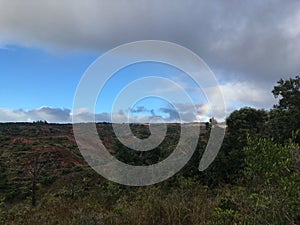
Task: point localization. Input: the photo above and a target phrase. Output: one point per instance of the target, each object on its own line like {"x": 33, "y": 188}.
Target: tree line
{"x": 278, "y": 125}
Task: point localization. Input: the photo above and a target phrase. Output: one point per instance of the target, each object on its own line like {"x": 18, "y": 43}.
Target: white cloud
{"x": 43, "y": 113}
{"x": 56, "y": 115}
{"x": 246, "y": 94}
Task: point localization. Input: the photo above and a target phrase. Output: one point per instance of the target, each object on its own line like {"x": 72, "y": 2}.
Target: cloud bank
{"x": 246, "y": 40}
{"x": 57, "y": 115}
{"x": 44, "y": 113}
{"x": 236, "y": 95}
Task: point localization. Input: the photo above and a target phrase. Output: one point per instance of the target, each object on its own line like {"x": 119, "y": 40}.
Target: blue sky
{"x": 31, "y": 78}
{"x": 34, "y": 79}
{"x": 248, "y": 45}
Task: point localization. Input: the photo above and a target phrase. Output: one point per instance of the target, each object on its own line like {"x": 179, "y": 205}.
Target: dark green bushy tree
{"x": 289, "y": 93}
{"x": 284, "y": 118}
{"x": 272, "y": 173}
{"x": 240, "y": 123}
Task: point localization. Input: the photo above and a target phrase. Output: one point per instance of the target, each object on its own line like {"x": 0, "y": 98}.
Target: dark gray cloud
{"x": 139, "y": 109}
{"x": 153, "y": 113}
{"x": 173, "y": 114}
{"x": 256, "y": 41}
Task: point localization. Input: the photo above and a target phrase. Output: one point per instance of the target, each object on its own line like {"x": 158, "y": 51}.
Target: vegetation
{"x": 255, "y": 178}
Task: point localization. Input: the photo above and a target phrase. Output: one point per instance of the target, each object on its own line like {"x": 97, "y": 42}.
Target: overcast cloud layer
{"x": 248, "y": 44}
{"x": 242, "y": 38}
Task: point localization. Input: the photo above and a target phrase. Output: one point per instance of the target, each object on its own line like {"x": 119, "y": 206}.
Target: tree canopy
{"x": 284, "y": 118}
{"x": 289, "y": 93}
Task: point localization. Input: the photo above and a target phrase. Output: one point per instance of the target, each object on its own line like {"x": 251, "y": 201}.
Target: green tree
{"x": 289, "y": 93}
{"x": 272, "y": 173}
{"x": 269, "y": 163}
{"x": 240, "y": 123}
{"x": 284, "y": 118}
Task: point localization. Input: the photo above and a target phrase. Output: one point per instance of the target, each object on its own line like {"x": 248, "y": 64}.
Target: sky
{"x": 47, "y": 46}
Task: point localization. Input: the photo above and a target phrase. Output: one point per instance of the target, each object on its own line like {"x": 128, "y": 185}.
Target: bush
{"x": 273, "y": 177}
